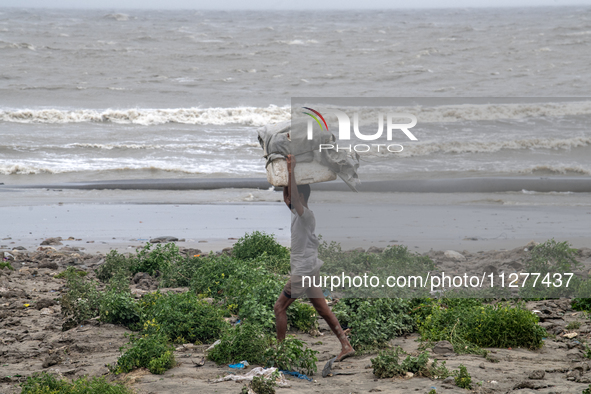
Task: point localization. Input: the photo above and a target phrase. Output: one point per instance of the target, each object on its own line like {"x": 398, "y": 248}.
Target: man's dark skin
{"x": 294, "y": 199}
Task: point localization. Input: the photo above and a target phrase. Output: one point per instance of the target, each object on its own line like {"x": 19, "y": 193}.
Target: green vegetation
{"x": 587, "y": 390}
{"x": 240, "y": 342}
{"x": 48, "y": 384}
{"x": 81, "y": 301}
{"x": 246, "y": 284}
{"x": 257, "y": 244}
{"x": 548, "y": 259}
{"x": 373, "y": 322}
{"x": 117, "y": 304}
{"x": 148, "y": 351}
{"x": 6, "y": 264}
{"x": 290, "y": 355}
{"x": 573, "y": 325}
{"x": 469, "y": 325}
{"x": 462, "y": 377}
{"x": 181, "y": 317}
{"x": 387, "y": 365}
{"x": 260, "y": 385}
{"x": 69, "y": 271}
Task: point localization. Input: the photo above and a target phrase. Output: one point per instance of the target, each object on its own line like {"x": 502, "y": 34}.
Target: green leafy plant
{"x": 547, "y": 259}
{"x": 156, "y": 259}
{"x": 256, "y": 244}
{"x": 290, "y": 355}
{"x": 149, "y": 351}
{"x": 261, "y": 385}
{"x": 470, "y": 327}
{"x": 80, "y": 301}
{"x": 395, "y": 260}
{"x": 439, "y": 371}
{"x": 241, "y": 342}
{"x": 70, "y": 271}
{"x": 587, "y": 390}
{"x": 373, "y": 322}
{"x": 462, "y": 378}
{"x": 6, "y": 264}
{"x": 44, "y": 383}
{"x": 162, "y": 363}
{"x": 117, "y": 304}
{"x": 387, "y": 364}
{"x": 302, "y": 316}
{"x": 181, "y": 317}
{"x": 573, "y": 325}
{"x": 115, "y": 262}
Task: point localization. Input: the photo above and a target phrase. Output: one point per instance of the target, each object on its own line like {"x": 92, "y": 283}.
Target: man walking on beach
{"x": 304, "y": 262}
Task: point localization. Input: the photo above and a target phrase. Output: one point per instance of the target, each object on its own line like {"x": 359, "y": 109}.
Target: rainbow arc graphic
{"x": 315, "y": 118}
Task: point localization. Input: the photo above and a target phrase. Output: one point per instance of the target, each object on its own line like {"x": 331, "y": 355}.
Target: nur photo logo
{"x": 344, "y": 130}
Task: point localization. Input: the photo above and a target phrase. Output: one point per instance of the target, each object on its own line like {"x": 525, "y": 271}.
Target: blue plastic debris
{"x": 240, "y": 365}
{"x": 297, "y": 375}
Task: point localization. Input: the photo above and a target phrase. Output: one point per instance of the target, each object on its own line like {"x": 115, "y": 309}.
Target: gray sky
{"x": 284, "y": 4}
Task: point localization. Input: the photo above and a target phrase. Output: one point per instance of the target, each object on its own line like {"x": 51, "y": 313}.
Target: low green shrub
{"x": 439, "y": 371}
{"x": 149, "y": 351}
{"x": 69, "y": 271}
{"x": 274, "y": 264}
{"x": 587, "y": 390}
{"x": 115, "y": 263}
{"x": 290, "y": 355}
{"x": 257, "y": 243}
{"x": 373, "y": 322}
{"x": 44, "y": 383}
{"x": 240, "y": 342}
{"x": 161, "y": 364}
{"x": 462, "y": 378}
{"x": 548, "y": 259}
{"x": 387, "y": 364}
{"x": 260, "y": 385}
{"x": 118, "y": 305}
{"x": 182, "y": 317}
{"x": 80, "y": 301}
{"x": 6, "y": 264}
{"x": 573, "y": 325}
{"x": 156, "y": 259}
{"x": 470, "y": 327}
{"x": 301, "y": 316}
{"x": 395, "y": 260}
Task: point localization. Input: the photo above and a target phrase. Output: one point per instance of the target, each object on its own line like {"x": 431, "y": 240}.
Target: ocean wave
{"x": 466, "y": 112}
{"x": 249, "y": 116}
{"x": 259, "y": 116}
{"x": 429, "y": 148}
{"x": 16, "y": 45}
{"x": 554, "y": 169}
{"x": 23, "y": 169}
{"x": 117, "y": 17}
{"x": 456, "y": 147}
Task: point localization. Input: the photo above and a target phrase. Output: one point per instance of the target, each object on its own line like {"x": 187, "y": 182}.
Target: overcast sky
{"x": 283, "y": 4}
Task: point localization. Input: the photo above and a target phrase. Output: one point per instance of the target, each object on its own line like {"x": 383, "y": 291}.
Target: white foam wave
{"x": 456, "y": 147}
{"x": 24, "y": 169}
{"x": 468, "y": 112}
{"x": 554, "y": 169}
{"x": 259, "y": 116}
{"x": 250, "y": 116}
{"x": 117, "y": 17}
{"x": 429, "y": 148}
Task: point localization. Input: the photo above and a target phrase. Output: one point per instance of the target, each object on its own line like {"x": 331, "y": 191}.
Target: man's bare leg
{"x": 317, "y": 299}
{"x": 281, "y": 315}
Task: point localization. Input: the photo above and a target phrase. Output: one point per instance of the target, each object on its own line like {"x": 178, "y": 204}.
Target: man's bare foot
{"x": 346, "y": 352}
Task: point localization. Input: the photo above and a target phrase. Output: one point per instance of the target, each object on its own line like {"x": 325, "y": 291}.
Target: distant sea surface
{"x": 94, "y": 95}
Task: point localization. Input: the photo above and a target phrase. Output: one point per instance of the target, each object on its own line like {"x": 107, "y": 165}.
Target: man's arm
{"x": 292, "y": 186}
